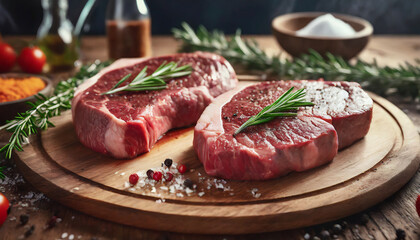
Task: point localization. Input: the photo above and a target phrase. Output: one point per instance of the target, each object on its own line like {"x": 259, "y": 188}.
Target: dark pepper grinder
{"x": 128, "y": 29}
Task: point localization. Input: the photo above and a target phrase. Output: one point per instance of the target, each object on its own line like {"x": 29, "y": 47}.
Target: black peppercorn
{"x": 325, "y": 235}
{"x": 150, "y": 174}
{"x": 235, "y": 114}
{"x": 168, "y": 162}
{"x": 400, "y": 234}
{"x": 344, "y": 225}
{"x": 9, "y": 209}
{"x": 188, "y": 183}
{"x": 23, "y": 219}
{"x": 337, "y": 229}
{"x": 364, "y": 219}
{"x": 30, "y": 231}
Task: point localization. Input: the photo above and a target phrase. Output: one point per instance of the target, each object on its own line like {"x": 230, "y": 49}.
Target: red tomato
{"x": 7, "y": 57}
{"x": 418, "y": 205}
{"x": 4, "y": 207}
{"x": 32, "y": 59}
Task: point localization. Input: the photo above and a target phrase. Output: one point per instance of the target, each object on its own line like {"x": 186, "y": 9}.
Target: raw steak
{"x": 345, "y": 104}
{"x": 283, "y": 145}
{"x": 126, "y": 124}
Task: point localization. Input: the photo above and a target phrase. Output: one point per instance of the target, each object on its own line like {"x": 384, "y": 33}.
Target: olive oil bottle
{"x": 55, "y": 36}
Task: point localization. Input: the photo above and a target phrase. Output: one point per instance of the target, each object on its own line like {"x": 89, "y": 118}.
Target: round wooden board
{"x": 359, "y": 177}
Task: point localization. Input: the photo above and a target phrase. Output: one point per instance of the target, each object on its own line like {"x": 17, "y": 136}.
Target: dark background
{"x": 23, "y": 17}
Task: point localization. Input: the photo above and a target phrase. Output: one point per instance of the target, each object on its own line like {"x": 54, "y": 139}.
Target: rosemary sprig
{"x": 2, "y": 176}
{"x": 235, "y": 49}
{"x": 37, "y": 118}
{"x": 155, "y": 81}
{"x": 405, "y": 79}
{"x": 285, "y": 106}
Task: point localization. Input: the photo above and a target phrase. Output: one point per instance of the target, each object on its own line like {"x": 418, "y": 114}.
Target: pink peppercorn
{"x": 134, "y": 178}
{"x": 182, "y": 168}
{"x": 169, "y": 176}
{"x": 157, "y": 176}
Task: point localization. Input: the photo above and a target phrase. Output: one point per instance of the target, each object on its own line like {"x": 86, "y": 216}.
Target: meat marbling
{"x": 126, "y": 124}
{"x": 282, "y": 145}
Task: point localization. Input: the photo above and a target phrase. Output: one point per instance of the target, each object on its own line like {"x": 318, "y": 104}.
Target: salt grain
{"x": 188, "y": 191}
{"x": 255, "y": 193}
{"x": 29, "y": 195}
{"x": 141, "y": 183}
{"x": 64, "y": 235}
{"x": 180, "y": 195}
{"x": 200, "y": 194}
{"x": 71, "y": 237}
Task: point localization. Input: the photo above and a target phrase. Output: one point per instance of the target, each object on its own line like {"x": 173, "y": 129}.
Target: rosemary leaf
{"x": 288, "y": 101}
{"x": 155, "y": 81}
{"x": 2, "y": 176}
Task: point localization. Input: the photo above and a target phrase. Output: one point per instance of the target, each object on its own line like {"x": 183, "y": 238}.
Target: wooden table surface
{"x": 379, "y": 222}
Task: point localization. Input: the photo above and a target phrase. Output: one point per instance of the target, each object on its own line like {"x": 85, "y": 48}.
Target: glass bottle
{"x": 128, "y": 29}
{"x": 55, "y": 36}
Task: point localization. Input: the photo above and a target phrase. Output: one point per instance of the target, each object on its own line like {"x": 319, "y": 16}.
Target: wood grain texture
{"x": 360, "y": 176}
{"x": 395, "y": 212}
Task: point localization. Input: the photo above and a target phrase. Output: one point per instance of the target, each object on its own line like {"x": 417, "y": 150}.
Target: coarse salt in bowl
{"x": 327, "y": 26}
{"x": 286, "y": 27}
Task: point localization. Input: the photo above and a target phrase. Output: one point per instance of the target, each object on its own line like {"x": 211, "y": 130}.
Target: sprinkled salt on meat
{"x": 341, "y": 115}
{"x": 126, "y": 124}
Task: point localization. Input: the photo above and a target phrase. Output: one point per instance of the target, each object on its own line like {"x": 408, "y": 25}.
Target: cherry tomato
{"x": 4, "y": 207}
{"x": 7, "y": 57}
{"x": 32, "y": 59}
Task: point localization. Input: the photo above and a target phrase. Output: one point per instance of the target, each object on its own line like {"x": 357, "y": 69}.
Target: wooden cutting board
{"x": 360, "y": 176}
